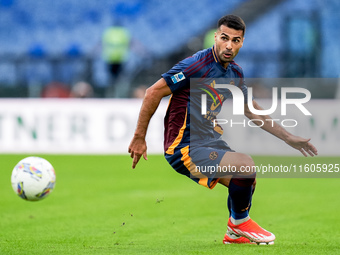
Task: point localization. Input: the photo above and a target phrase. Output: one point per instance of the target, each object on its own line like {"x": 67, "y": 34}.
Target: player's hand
{"x": 137, "y": 148}
{"x": 303, "y": 145}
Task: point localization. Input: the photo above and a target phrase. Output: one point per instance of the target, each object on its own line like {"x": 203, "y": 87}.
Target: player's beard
{"x": 226, "y": 59}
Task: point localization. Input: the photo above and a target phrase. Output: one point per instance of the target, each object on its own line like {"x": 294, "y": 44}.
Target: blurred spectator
{"x": 56, "y": 90}
{"x": 209, "y": 39}
{"x": 115, "y": 48}
{"x": 81, "y": 90}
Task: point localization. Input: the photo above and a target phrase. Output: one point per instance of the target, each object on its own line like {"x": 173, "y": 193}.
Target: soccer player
{"x": 201, "y": 145}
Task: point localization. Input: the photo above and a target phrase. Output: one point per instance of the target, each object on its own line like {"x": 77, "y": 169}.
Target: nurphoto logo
{"x": 238, "y": 105}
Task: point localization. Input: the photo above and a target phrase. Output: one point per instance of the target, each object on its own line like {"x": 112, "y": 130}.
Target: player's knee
{"x": 238, "y": 164}
{"x": 247, "y": 166}
{"x": 245, "y": 181}
{"x": 247, "y": 175}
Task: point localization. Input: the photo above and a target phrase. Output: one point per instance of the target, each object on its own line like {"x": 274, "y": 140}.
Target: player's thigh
{"x": 237, "y": 162}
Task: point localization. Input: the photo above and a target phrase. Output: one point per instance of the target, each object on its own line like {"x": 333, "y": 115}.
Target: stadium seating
{"x": 57, "y": 24}
{"x": 73, "y": 28}
{"x": 35, "y": 28}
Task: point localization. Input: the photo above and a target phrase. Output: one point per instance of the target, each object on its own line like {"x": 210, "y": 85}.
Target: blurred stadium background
{"x": 59, "y": 49}
{"x": 61, "y": 41}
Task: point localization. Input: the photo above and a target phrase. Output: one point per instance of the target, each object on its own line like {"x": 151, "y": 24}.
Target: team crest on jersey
{"x": 177, "y": 77}
{"x": 213, "y": 155}
{"x": 232, "y": 82}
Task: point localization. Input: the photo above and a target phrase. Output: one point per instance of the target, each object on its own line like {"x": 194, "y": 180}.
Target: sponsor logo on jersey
{"x": 177, "y": 77}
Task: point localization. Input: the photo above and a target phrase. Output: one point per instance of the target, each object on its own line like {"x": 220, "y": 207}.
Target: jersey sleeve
{"x": 176, "y": 77}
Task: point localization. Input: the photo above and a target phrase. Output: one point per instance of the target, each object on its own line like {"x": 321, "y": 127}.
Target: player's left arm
{"x": 299, "y": 143}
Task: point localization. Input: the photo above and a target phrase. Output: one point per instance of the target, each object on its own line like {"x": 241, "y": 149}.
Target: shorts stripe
{"x": 202, "y": 179}
{"x": 178, "y": 139}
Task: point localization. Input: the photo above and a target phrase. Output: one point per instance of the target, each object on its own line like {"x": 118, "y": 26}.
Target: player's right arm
{"x": 152, "y": 98}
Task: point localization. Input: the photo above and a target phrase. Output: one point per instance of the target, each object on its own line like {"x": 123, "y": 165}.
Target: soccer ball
{"x": 33, "y": 178}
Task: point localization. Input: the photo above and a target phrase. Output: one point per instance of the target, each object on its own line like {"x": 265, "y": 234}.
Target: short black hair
{"x": 232, "y": 21}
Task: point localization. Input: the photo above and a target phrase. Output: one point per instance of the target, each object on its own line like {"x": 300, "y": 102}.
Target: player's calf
{"x": 240, "y": 193}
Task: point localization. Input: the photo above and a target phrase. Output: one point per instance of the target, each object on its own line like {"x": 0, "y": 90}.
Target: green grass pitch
{"x": 101, "y": 206}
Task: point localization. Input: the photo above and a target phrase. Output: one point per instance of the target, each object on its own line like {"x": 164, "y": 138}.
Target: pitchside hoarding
{"x": 97, "y": 126}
